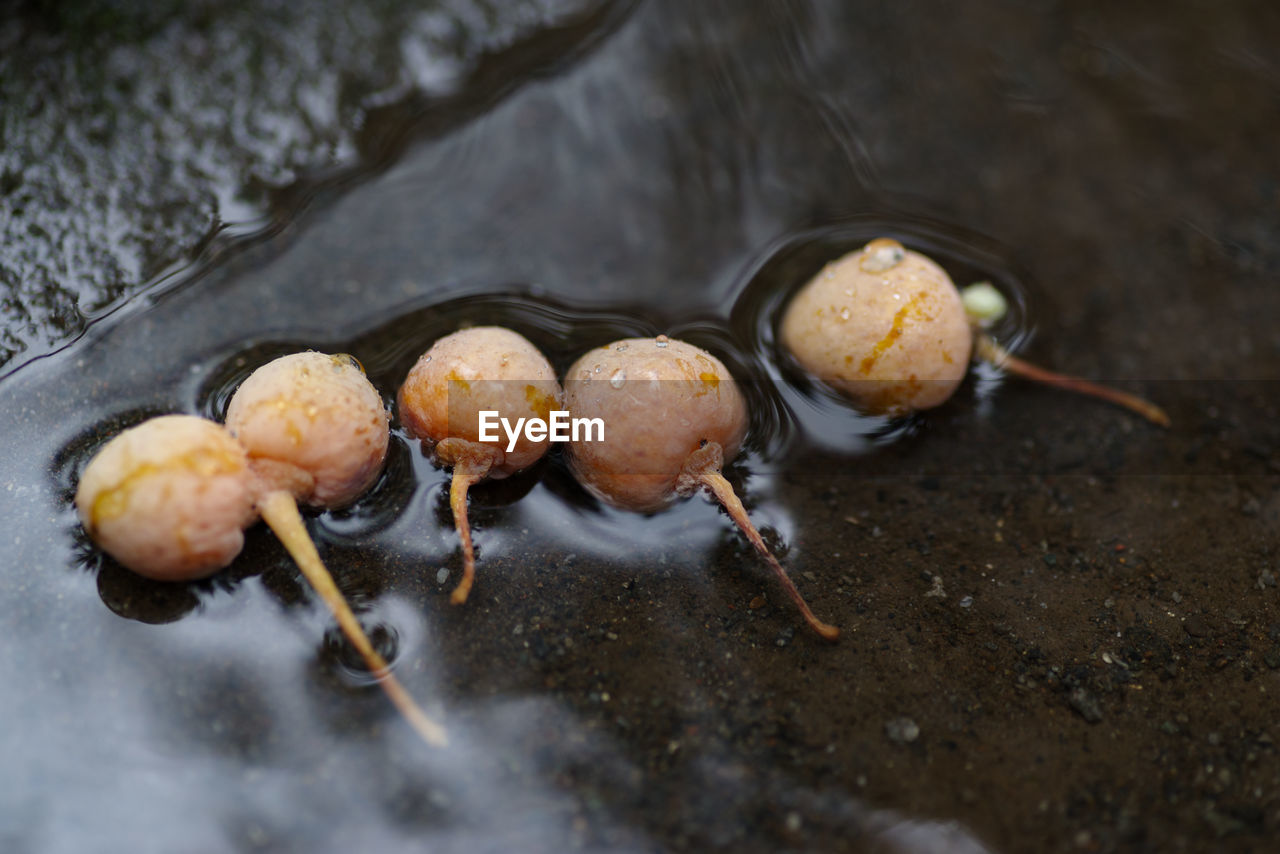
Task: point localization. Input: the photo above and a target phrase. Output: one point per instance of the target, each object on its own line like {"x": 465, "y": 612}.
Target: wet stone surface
{"x": 1060, "y": 623}
{"x": 135, "y": 133}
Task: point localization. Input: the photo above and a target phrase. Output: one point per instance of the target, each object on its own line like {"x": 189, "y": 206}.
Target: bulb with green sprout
{"x": 886, "y": 327}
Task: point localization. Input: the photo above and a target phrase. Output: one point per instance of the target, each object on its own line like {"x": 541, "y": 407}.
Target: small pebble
{"x": 442, "y": 575}
{"x": 1197, "y": 626}
{"x": 902, "y": 730}
{"x": 1085, "y": 704}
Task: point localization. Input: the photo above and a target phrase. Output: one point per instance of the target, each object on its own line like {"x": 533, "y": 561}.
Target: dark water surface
{"x": 1078, "y": 613}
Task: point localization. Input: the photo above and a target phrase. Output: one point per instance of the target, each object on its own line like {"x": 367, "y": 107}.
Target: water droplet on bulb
{"x": 845, "y": 314}
{"x": 621, "y": 348}
{"x": 882, "y": 254}
{"x": 662, "y": 341}
{"x": 342, "y": 361}
{"x": 618, "y": 379}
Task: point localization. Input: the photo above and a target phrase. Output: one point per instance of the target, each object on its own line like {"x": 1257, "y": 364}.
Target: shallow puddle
{"x": 1061, "y": 624}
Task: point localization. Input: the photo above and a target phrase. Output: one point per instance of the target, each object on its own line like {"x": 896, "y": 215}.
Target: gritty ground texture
{"x": 1061, "y": 625}
{"x": 132, "y": 132}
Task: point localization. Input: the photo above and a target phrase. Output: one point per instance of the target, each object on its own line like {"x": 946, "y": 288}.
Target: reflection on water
{"x": 617, "y": 683}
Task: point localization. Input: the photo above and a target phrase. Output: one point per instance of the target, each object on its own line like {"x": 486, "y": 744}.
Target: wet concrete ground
{"x": 1062, "y": 629}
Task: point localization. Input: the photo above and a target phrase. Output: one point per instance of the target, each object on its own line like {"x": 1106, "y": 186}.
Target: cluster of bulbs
{"x": 171, "y": 498}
